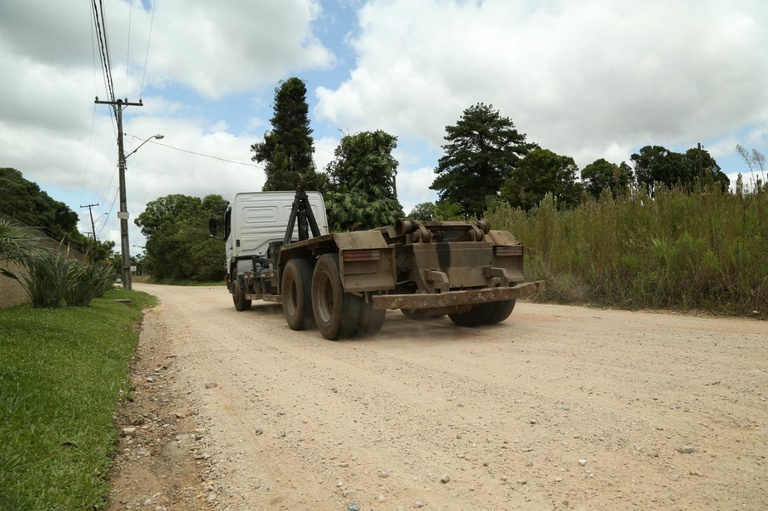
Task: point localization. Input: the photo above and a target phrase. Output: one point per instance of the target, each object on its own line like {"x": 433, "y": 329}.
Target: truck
{"x": 279, "y": 249}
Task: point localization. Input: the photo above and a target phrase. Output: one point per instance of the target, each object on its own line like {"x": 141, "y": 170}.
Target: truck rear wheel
{"x": 370, "y": 319}
{"x": 336, "y": 312}
{"x": 238, "y": 297}
{"x": 500, "y": 311}
{"x": 296, "y": 290}
{"x": 478, "y": 315}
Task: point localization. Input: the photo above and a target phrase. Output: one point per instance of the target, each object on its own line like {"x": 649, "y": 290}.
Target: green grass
{"x": 62, "y": 374}
{"x": 700, "y": 251}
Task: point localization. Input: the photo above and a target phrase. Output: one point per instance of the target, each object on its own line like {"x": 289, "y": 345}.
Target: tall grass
{"x": 706, "y": 251}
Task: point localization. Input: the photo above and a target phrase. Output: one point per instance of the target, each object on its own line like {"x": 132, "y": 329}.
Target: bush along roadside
{"x": 63, "y": 372}
{"x": 54, "y": 278}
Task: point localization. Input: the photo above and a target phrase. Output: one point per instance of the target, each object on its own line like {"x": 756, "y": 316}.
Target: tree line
{"x": 487, "y": 161}
{"x": 24, "y": 202}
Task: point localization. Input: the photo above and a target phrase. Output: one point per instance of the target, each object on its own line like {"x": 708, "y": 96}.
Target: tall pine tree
{"x": 287, "y": 149}
{"x": 481, "y": 151}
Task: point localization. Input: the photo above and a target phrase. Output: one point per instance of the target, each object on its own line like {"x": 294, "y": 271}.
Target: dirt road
{"x": 556, "y": 408}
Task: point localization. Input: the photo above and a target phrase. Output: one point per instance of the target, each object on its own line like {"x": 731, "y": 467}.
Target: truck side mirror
{"x": 212, "y": 230}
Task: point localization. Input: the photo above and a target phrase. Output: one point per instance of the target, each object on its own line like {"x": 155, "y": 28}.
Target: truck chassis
{"x": 343, "y": 283}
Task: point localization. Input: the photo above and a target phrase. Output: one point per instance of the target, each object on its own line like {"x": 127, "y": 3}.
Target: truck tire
{"x": 419, "y": 315}
{"x": 500, "y": 311}
{"x": 478, "y": 315}
{"x": 296, "y": 290}
{"x": 238, "y": 297}
{"x": 336, "y": 312}
{"x": 370, "y": 319}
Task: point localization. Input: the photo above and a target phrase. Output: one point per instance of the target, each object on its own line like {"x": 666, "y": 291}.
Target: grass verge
{"x": 62, "y": 374}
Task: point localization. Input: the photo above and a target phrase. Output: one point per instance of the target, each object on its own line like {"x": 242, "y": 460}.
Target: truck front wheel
{"x": 336, "y": 312}
{"x": 296, "y": 288}
{"x": 238, "y": 297}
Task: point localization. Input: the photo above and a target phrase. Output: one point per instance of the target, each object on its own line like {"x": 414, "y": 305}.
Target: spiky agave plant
{"x": 48, "y": 276}
{"x": 88, "y": 281}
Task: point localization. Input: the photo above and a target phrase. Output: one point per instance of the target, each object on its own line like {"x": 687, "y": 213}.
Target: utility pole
{"x": 90, "y": 212}
{"x": 123, "y": 214}
{"x": 93, "y": 226}
{"x": 700, "y": 168}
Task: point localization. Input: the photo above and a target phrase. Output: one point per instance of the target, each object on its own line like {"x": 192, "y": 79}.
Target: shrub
{"x": 88, "y": 281}
{"x": 48, "y": 276}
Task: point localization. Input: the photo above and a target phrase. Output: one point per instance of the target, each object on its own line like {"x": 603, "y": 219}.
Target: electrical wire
{"x": 101, "y": 33}
{"x": 208, "y": 156}
{"x": 149, "y": 40}
{"x": 128, "y": 46}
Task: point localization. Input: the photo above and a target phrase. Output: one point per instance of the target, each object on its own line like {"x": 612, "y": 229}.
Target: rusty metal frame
{"x": 453, "y": 298}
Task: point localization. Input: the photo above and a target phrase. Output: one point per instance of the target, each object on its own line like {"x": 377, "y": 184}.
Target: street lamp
{"x": 123, "y": 213}
{"x": 158, "y": 136}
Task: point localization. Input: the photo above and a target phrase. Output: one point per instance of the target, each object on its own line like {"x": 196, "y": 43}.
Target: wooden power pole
{"x": 123, "y": 213}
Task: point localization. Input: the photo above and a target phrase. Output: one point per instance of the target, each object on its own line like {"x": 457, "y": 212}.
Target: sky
{"x": 588, "y": 79}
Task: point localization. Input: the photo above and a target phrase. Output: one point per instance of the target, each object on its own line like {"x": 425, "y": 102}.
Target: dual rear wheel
{"x": 316, "y": 297}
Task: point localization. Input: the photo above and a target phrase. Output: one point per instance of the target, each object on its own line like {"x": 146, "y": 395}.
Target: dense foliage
{"x": 542, "y": 172}
{"x": 602, "y": 175}
{"x": 178, "y": 246}
{"x": 287, "y": 149}
{"x": 481, "y": 152}
{"x": 23, "y": 201}
{"x": 676, "y": 250}
{"x": 658, "y": 165}
{"x": 362, "y": 182}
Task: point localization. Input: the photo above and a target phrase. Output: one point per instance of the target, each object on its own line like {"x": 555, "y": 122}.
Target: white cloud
{"x": 577, "y": 77}
{"x": 587, "y": 79}
{"x": 233, "y": 45}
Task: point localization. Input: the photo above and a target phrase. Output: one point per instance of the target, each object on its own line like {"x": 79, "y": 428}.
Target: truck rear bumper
{"x": 454, "y": 298}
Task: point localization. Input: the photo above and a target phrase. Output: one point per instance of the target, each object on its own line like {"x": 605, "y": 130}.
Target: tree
{"x": 24, "y": 201}
{"x": 539, "y": 173}
{"x": 287, "y": 149}
{"x": 178, "y": 246}
{"x": 601, "y": 174}
{"x": 704, "y": 170}
{"x": 424, "y": 211}
{"x": 657, "y": 164}
{"x": 481, "y": 152}
{"x": 362, "y": 183}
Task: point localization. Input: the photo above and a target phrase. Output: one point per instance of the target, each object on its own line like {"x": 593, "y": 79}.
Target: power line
{"x": 208, "y": 155}
{"x": 146, "y": 56}
{"x": 128, "y": 46}
{"x": 101, "y": 33}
